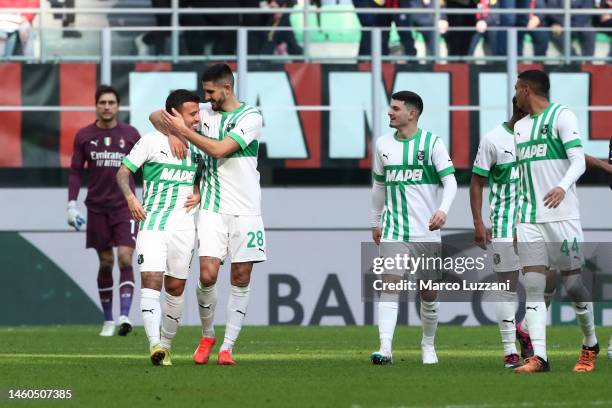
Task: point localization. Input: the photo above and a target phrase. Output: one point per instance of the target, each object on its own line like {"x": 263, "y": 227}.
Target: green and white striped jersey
{"x": 167, "y": 181}
{"x": 541, "y": 144}
{"x": 231, "y": 184}
{"x": 496, "y": 160}
{"x": 411, "y": 170}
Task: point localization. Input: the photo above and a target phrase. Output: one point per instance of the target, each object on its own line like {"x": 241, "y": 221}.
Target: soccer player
{"x": 551, "y": 160}
{"x": 408, "y": 168}
{"x": 102, "y": 145}
{"x": 496, "y": 162}
{"x": 230, "y": 224}
{"x": 166, "y": 240}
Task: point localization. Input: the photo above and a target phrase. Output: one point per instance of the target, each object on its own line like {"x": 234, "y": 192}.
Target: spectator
{"x": 484, "y": 21}
{"x": 402, "y": 21}
{"x": 428, "y": 21}
{"x": 459, "y": 42}
{"x": 586, "y": 38}
{"x": 505, "y": 20}
{"x": 220, "y": 42}
{"x": 367, "y": 22}
{"x": 158, "y": 40}
{"x": 256, "y": 38}
{"x": 16, "y": 29}
{"x": 280, "y": 42}
{"x": 532, "y": 21}
{"x": 605, "y": 21}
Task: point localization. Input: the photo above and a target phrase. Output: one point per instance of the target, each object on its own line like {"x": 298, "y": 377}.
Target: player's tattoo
{"x": 123, "y": 181}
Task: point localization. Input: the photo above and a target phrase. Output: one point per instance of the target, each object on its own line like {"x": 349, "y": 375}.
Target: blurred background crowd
{"x": 405, "y": 33}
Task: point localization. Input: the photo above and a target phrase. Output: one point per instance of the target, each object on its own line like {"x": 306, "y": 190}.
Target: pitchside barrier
{"x": 312, "y": 277}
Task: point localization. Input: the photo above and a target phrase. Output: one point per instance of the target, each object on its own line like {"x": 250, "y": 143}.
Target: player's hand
{"x": 442, "y": 26}
{"x": 553, "y": 198}
{"x": 482, "y": 235}
{"x": 174, "y": 122}
{"x": 178, "y": 146}
{"x": 192, "y": 201}
{"x": 138, "y": 213}
{"x": 437, "y": 220}
{"x": 74, "y": 216}
{"x": 533, "y": 22}
{"x": 481, "y": 26}
{"x": 376, "y": 234}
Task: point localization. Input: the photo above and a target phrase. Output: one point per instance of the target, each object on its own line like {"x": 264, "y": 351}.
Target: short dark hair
{"x": 409, "y": 98}
{"x": 104, "y": 89}
{"x": 177, "y": 98}
{"x": 218, "y": 72}
{"x": 538, "y": 81}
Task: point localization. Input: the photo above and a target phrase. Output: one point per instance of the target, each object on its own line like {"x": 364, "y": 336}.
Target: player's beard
{"x": 216, "y": 105}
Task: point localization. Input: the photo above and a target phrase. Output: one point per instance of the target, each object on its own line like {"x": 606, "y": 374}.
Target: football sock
{"x": 172, "y": 309}
{"x": 151, "y": 313}
{"x": 126, "y": 289}
{"x": 585, "y": 319}
{"x": 105, "y": 290}
{"x": 579, "y": 295}
{"x": 236, "y": 311}
{"x": 505, "y": 311}
{"x": 387, "y": 319}
{"x": 207, "y": 301}
{"x": 429, "y": 320}
{"x": 535, "y": 311}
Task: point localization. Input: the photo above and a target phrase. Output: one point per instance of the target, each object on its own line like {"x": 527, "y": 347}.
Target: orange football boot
{"x": 587, "y": 359}
{"x": 225, "y": 358}
{"x": 202, "y": 353}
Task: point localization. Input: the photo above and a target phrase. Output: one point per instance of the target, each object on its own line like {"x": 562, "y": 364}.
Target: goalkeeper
{"x": 101, "y": 146}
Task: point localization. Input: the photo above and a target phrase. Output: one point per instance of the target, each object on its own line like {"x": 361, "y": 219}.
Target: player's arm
{"x": 212, "y": 147}
{"x": 449, "y": 191}
{"x": 194, "y": 199}
{"x": 595, "y": 164}
{"x": 123, "y": 181}
{"x": 74, "y": 183}
{"x": 178, "y": 144}
{"x": 485, "y": 159}
{"x": 445, "y": 169}
{"x": 131, "y": 163}
{"x": 481, "y": 235}
{"x": 567, "y": 125}
{"x": 378, "y": 195}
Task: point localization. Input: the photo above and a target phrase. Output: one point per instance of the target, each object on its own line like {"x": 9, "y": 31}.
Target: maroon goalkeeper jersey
{"x": 102, "y": 150}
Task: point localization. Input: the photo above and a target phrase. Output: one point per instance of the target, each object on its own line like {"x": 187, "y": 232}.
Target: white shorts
{"x": 503, "y": 256}
{"x": 166, "y": 251}
{"x": 240, "y": 238}
{"x": 424, "y": 250}
{"x": 552, "y": 243}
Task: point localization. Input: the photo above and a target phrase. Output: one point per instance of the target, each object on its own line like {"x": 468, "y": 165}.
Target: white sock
{"x": 236, "y": 312}
{"x": 151, "y": 313}
{"x": 429, "y": 320}
{"x": 172, "y": 309}
{"x": 505, "y": 311}
{"x": 207, "y": 302}
{"x": 579, "y": 295}
{"x": 387, "y": 319}
{"x": 586, "y": 321}
{"x": 535, "y": 311}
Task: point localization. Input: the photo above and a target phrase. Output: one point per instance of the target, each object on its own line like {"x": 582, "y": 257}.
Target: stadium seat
{"x": 297, "y": 23}
{"x": 340, "y": 27}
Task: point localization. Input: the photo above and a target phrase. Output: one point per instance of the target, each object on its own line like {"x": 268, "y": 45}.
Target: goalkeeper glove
{"x": 74, "y": 216}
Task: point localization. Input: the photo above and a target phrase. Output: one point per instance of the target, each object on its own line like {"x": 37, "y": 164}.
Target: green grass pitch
{"x": 298, "y": 367}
